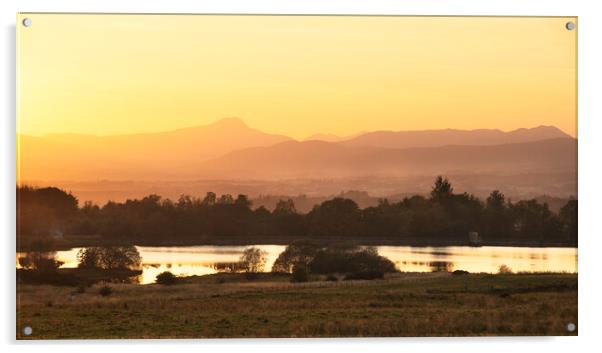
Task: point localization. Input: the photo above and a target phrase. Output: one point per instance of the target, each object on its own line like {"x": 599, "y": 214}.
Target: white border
{"x": 590, "y": 194}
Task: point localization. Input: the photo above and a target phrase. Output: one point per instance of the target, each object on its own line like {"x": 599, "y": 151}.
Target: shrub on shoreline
{"x": 166, "y": 278}
{"x": 504, "y": 270}
{"x": 460, "y": 273}
{"x": 354, "y": 261}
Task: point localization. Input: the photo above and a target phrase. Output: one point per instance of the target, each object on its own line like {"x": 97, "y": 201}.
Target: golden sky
{"x": 293, "y": 75}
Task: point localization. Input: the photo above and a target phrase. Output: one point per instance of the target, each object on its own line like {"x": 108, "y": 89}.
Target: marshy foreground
{"x": 232, "y": 305}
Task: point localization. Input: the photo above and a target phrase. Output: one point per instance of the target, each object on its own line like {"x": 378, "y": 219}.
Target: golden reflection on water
{"x": 482, "y": 259}
{"x": 182, "y": 260}
{"x": 200, "y": 260}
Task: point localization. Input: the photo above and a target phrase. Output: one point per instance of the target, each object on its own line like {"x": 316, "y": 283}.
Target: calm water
{"x": 200, "y": 260}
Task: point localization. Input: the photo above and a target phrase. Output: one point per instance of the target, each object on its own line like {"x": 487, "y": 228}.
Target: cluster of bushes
{"x": 41, "y": 261}
{"x": 304, "y": 258}
{"x": 109, "y": 257}
{"x": 166, "y": 278}
{"x": 95, "y": 264}
{"x": 443, "y": 215}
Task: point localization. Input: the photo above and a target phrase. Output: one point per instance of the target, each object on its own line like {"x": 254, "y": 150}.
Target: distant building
{"x": 474, "y": 239}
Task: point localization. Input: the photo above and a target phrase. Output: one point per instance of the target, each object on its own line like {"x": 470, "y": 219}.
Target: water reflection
{"x": 38, "y": 260}
{"x": 41, "y": 267}
{"x": 441, "y": 266}
{"x": 481, "y": 259}
{"x": 202, "y": 260}
{"x": 181, "y": 261}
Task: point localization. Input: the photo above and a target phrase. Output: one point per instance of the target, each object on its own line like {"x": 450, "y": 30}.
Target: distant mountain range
{"x": 434, "y": 138}
{"x": 229, "y": 148}
{"x": 138, "y": 156}
{"x": 444, "y": 137}
{"x": 313, "y": 159}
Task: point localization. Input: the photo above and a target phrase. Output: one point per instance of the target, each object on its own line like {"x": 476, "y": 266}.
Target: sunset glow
{"x": 272, "y": 176}
{"x": 294, "y": 75}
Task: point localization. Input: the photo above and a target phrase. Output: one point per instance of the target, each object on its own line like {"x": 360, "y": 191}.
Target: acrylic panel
{"x": 226, "y": 176}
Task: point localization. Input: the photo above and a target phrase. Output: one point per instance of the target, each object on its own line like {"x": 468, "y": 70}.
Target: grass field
{"x": 229, "y": 305}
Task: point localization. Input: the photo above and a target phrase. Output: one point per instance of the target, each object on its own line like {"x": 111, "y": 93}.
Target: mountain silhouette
{"x": 228, "y": 148}
{"x": 315, "y": 159}
{"x": 149, "y": 155}
{"x": 434, "y": 138}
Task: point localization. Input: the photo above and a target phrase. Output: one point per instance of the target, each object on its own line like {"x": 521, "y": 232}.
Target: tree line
{"x": 443, "y": 215}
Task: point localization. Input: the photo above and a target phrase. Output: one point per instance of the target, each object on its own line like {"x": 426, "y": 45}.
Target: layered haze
{"x": 230, "y": 155}
{"x": 152, "y": 156}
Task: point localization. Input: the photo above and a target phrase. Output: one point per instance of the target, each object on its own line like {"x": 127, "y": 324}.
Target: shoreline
{"x": 70, "y": 242}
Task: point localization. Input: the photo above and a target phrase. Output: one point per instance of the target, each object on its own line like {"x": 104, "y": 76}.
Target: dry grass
{"x": 436, "y": 304}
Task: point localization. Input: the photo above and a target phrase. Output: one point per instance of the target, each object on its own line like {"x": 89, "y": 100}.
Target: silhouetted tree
{"x": 444, "y": 216}
{"x": 350, "y": 259}
{"x": 109, "y": 257}
{"x": 253, "y": 259}
{"x": 87, "y": 220}
{"x": 464, "y": 215}
{"x": 386, "y": 219}
{"x": 496, "y": 200}
{"x": 262, "y": 223}
{"x": 442, "y": 189}
{"x": 497, "y": 220}
{"x": 209, "y": 199}
{"x": 287, "y": 221}
{"x": 34, "y": 219}
{"x": 568, "y": 215}
{"x": 42, "y": 211}
{"x": 166, "y": 278}
{"x": 242, "y": 201}
{"x": 285, "y": 207}
{"x": 225, "y": 199}
{"x": 43, "y": 261}
{"x": 185, "y": 202}
{"x": 427, "y": 219}
{"x": 89, "y": 257}
{"x": 535, "y": 221}
{"x": 336, "y": 217}
{"x": 296, "y": 253}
